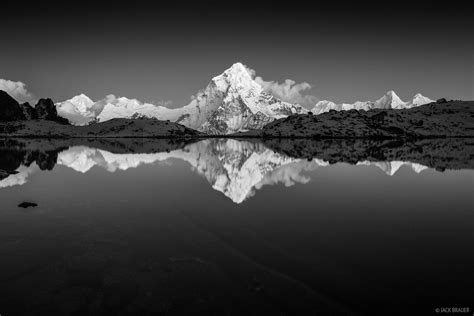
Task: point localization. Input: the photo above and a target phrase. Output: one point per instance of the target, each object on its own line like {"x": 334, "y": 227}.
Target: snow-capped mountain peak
{"x": 236, "y": 73}
{"x": 79, "y": 110}
{"x": 389, "y": 101}
{"x": 418, "y": 100}
{"x": 233, "y": 101}
{"x": 82, "y": 102}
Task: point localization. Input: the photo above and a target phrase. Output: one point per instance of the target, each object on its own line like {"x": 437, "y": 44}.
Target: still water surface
{"x": 230, "y": 227}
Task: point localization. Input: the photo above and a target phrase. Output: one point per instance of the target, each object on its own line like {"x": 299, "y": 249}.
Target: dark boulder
{"x": 28, "y": 111}
{"x": 442, "y": 100}
{"x": 10, "y": 109}
{"x": 27, "y": 204}
{"x": 47, "y": 111}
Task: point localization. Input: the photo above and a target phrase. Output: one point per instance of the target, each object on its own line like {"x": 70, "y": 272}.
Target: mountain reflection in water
{"x": 234, "y": 167}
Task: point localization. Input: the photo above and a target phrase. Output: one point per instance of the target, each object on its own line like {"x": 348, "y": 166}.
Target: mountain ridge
{"x": 390, "y": 100}
{"x": 232, "y": 102}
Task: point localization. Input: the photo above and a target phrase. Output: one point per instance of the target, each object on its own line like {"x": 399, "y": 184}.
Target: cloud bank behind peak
{"x": 288, "y": 91}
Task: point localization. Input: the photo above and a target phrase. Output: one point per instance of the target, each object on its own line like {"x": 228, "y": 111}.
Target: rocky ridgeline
{"x": 11, "y": 110}
{"x": 437, "y": 119}
{"x": 115, "y": 128}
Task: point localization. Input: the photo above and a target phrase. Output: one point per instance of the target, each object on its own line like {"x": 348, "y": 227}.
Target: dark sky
{"x": 347, "y": 51}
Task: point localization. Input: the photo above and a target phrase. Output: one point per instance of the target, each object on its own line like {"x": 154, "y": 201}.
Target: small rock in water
{"x": 27, "y": 204}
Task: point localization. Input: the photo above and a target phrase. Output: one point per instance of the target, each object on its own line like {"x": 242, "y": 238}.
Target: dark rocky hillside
{"x": 11, "y": 110}
{"x": 114, "y": 128}
{"x": 437, "y": 119}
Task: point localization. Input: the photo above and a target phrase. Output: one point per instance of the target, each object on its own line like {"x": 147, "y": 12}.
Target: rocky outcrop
{"x": 10, "y": 110}
{"x": 29, "y": 112}
{"x": 46, "y": 110}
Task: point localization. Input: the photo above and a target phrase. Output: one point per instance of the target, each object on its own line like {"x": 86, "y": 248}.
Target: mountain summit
{"x": 389, "y": 101}
{"x": 79, "y": 110}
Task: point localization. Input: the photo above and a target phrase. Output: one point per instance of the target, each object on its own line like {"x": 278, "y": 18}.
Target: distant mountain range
{"x": 389, "y": 101}
{"x": 231, "y": 102}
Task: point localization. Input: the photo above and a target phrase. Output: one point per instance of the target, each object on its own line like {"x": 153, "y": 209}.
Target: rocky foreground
{"x": 115, "y": 128}
{"x": 437, "y": 119}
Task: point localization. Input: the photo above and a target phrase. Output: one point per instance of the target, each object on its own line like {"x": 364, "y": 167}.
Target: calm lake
{"x": 224, "y": 226}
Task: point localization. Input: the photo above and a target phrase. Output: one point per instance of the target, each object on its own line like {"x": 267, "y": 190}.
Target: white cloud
{"x": 17, "y": 90}
{"x": 288, "y": 91}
